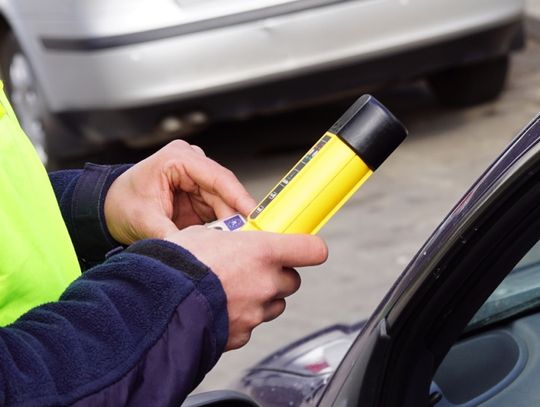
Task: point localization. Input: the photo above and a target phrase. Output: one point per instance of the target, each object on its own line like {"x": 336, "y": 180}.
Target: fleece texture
{"x": 140, "y": 328}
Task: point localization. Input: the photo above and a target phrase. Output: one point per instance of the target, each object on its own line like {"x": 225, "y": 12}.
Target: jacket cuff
{"x": 205, "y": 281}
{"x": 90, "y": 235}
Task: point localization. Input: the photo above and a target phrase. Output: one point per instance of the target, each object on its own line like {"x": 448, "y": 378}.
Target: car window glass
{"x": 518, "y": 292}
{"x": 532, "y": 257}
{"x": 480, "y": 367}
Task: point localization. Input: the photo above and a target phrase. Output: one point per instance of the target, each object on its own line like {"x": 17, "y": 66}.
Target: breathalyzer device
{"x": 328, "y": 174}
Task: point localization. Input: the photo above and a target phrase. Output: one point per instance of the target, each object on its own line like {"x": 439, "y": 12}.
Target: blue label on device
{"x": 234, "y": 222}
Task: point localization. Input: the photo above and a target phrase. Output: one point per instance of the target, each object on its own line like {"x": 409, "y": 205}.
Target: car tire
{"x": 470, "y": 84}
{"x": 53, "y": 141}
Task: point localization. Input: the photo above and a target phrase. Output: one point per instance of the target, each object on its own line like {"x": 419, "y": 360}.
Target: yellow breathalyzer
{"x": 329, "y": 173}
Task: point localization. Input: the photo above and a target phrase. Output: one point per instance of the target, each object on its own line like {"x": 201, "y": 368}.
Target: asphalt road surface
{"x": 378, "y": 231}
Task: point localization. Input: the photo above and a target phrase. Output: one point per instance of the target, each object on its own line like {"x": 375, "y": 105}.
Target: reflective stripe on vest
{"x": 37, "y": 259}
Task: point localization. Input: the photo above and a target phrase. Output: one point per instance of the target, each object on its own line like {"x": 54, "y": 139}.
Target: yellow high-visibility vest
{"x": 37, "y": 258}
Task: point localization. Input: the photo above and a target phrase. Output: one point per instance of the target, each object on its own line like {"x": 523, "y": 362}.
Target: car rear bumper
{"x": 274, "y": 95}
{"x": 93, "y": 70}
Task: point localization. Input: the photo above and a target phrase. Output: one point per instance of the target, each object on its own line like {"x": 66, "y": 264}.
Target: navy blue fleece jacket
{"x": 141, "y": 328}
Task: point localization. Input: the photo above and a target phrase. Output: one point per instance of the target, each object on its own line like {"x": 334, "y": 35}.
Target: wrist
{"x": 88, "y": 211}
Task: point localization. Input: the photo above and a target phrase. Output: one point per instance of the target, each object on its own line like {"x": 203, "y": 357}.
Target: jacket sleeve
{"x": 141, "y": 329}
{"x": 81, "y": 197}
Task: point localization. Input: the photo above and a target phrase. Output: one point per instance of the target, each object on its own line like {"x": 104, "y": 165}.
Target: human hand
{"x": 255, "y": 270}
{"x": 177, "y": 186}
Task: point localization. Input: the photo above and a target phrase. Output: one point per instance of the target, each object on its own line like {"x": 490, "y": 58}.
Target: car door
{"x": 396, "y": 357}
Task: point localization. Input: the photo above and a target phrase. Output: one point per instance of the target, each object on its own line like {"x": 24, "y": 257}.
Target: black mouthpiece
{"x": 370, "y": 130}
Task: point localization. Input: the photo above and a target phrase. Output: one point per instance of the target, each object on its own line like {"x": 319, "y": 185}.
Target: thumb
{"x": 160, "y": 228}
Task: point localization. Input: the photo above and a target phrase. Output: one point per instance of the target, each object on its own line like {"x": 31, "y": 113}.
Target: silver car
{"x": 84, "y": 73}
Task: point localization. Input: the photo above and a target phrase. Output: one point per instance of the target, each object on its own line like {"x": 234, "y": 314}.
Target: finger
{"x": 222, "y": 210}
{"x": 237, "y": 341}
{"x": 219, "y": 181}
{"x": 218, "y": 205}
{"x": 287, "y": 282}
{"x": 296, "y": 250}
{"x": 209, "y": 207}
{"x": 201, "y": 206}
{"x": 274, "y": 309}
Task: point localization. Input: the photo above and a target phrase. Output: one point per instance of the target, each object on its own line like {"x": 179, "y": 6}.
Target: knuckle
{"x": 225, "y": 175}
{"x": 227, "y": 172}
{"x": 244, "y": 339}
{"x": 255, "y": 318}
{"x": 177, "y": 144}
{"x": 198, "y": 150}
{"x": 266, "y": 253}
{"x": 173, "y": 152}
{"x": 238, "y": 340}
{"x": 269, "y": 292}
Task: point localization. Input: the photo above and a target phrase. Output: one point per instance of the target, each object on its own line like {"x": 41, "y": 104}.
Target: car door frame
{"x": 428, "y": 307}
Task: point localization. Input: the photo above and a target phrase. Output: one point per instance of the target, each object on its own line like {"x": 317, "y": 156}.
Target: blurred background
{"x": 256, "y": 82}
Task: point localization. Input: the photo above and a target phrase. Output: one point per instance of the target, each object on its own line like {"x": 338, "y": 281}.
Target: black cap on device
{"x": 370, "y": 130}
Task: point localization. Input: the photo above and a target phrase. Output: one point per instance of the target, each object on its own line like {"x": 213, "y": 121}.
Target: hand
{"x": 178, "y": 186}
{"x": 255, "y": 270}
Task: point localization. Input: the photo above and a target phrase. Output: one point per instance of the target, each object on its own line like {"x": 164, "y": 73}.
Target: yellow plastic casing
{"x": 312, "y": 191}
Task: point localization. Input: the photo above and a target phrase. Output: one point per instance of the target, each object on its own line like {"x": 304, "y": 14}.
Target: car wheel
{"x": 25, "y": 95}
{"x": 471, "y": 84}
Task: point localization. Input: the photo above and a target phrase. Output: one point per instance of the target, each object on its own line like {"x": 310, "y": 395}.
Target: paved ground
{"x": 375, "y": 235}
{"x": 533, "y": 8}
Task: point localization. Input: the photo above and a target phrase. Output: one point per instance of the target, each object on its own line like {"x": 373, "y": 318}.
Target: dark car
{"x": 460, "y": 326}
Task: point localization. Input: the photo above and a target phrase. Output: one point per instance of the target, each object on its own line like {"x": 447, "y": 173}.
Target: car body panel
{"x": 298, "y": 373}
{"x": 269, "y": 45}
